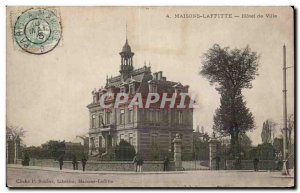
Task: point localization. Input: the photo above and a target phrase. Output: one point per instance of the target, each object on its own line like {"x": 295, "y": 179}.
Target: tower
{"x": 126, "y": 61}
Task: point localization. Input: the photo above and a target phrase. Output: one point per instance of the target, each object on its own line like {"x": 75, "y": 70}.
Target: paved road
{"x": 21, "y": 177}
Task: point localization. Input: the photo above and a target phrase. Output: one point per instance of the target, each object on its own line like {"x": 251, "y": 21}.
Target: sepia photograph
{"x": 150, "y": 97}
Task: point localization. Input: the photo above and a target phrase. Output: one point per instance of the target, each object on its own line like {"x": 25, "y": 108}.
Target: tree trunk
{"x": 234, "y": 140}
{"x": 15, "y": 156}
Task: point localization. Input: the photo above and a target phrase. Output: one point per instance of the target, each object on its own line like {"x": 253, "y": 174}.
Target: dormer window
{"x": 122, "y": 89}
{"x": 152, "y": 88}
{"x": 131, "y": 89}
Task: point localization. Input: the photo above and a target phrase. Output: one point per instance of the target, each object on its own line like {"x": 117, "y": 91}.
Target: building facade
{"x": 150, "y": 130}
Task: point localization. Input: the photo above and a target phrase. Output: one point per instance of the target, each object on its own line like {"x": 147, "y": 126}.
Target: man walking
{"x": 140, "y": 163}
{"x": 75, "y": 163}
{"x": 218, "y": 159}
{"x": 135, "y": 163}
{"x": 61, "y": 161}
{"x": 255, "y": 163}
{"x": 166, "y": 163}
{"x": 83, "y": 161}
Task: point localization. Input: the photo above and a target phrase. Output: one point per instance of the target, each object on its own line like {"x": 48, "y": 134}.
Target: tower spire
{"x": 126, "y": 60}
{"x": 126, "y": 32}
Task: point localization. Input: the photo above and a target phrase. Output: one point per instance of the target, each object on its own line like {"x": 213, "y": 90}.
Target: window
{"x": 100, "y": 141}
{"x": 157, "y": 114}
{"x": 121, "y": 137}
{"x": 130, "y": 116}
{"x": 177, "y": 90}
{"x": 122, "y": 89}
{"x": 92, "y": 141}
{"x": 107, "y": 118}
{"x": 150, "y": 115}
{"x": 101, "y": 120}
{"x": 122, "y": 116}
{"x": 131, "y": 89}
{"x": 180, "y": 117}
{"x": 93, "y": 121}
{"x": 154, "y": 139}
{"x": 130, "y": 138}
{"x": 152, "y": 88}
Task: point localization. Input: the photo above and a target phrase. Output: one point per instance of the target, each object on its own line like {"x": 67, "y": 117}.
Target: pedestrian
{"x": 218, "y": 159}
{"x": 166, "y": 163}
{"x": 140, "y": 163}
{"x": 135, "y": 163}
{"x": 255, "y": 163}
{"x": 61, "y": 161}
{"x": 83, "y": 161}
{"x": 75, "y": 163}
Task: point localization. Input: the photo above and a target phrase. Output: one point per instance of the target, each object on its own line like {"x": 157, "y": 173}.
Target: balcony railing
{"x": 102, "y": 128}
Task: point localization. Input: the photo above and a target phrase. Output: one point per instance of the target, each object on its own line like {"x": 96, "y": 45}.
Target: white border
{"x": 4, "y": 3}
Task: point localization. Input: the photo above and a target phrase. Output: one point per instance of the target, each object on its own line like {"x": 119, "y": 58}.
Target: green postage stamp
{"x": 37, "y": 30}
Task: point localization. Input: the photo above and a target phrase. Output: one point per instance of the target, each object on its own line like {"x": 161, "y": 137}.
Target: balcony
{"x": 104, "y": 128}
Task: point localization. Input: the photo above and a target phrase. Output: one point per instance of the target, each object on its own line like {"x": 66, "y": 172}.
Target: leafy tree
{"x": 263, "y": 151}
{"x": 266, "y": 151}
{"x": 231, "y": 71}
{"x": 55, "y": 148}
{"x": 233, "y": 118}
{"x": 124, "y": 151}
{"x": 245, "y": 141}
{"x": 49, "y": 150}
{"x": 278, "y": 145}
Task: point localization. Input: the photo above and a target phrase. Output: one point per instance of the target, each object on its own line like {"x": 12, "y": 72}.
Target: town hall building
{"x": 150, "y": 130}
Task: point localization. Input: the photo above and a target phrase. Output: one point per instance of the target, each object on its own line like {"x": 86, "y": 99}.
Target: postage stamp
{"x": 37, "y": 30}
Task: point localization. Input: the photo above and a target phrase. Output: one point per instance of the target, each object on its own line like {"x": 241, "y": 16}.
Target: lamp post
{"x": 285, "y": 141}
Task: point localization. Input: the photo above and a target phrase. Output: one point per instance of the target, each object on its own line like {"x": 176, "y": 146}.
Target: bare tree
{"x": 15, "y": 134}
{"x": 272, "y": 127}
{"x": 290, "y": 128}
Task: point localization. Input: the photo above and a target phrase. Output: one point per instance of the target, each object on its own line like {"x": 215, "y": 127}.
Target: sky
{"x": 47, "y": 94}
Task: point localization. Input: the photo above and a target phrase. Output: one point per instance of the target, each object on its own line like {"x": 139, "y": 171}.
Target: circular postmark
{"x": 37, "y": 31}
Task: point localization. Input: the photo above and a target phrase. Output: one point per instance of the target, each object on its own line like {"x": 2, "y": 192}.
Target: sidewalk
{"x": 275, "y": 173}
{"x": 89, "y": 172}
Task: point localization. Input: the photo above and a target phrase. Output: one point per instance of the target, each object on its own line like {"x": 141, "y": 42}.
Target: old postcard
{"x": 150, "y": 97}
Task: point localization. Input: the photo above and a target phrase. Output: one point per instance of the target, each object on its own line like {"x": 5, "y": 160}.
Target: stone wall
{"x": 245, "y": 165}
{"x": 102, "y": 165}
{"x": 248, "y": 165}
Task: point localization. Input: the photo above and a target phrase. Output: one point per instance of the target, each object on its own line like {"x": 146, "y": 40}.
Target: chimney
{"x": 159, "y": 75}
{"x": 155, "y": 75}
